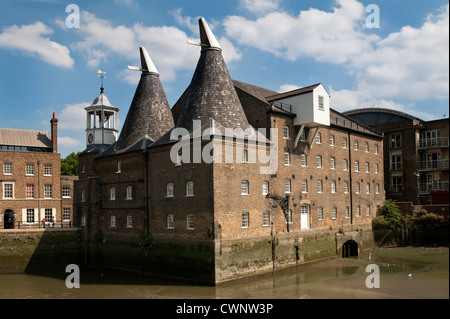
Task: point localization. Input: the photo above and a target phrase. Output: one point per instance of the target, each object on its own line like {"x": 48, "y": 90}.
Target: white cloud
{"x": 396, "y": 71}
{"x": 67, "y": 141}
{"x": 32, "y": 39}
{"x": 333, "y": 37}
{"x": 166, "y": 46}
{"x": 186, "y": 21}
{"x": 260, "y": 6}
{"x": 73, "y": 116}
{"x": 287, "y": 88}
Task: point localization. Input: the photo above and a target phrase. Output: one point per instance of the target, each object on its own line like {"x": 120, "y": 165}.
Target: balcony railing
{"x": 433, "y": 165}
{"x": 396, "y": 166}
{"x": 433, "y": 187}
{"x": 433, "y": 142}
{"x": 395, "y": 145}
{"x": 283, "y": 106}
{"x": 396, "y": 188}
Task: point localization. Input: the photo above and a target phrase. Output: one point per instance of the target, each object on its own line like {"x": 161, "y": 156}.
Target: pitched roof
{"x": 280, "y": 96}
{"x": 212, "y": 94}
{"x": 149, "y": 115}
{"x": 28, "y": 138}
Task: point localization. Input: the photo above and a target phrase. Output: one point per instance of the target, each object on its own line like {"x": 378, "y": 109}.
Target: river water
{"x": 404, "y": 273}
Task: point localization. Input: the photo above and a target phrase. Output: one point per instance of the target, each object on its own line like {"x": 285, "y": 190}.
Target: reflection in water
{"x": 333, "y": 278}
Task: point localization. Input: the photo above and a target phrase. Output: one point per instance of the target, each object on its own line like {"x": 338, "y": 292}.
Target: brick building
{"x": 185, "y": 191}
{"x": 32, "y": 187}
{"x": 416, "y": 155}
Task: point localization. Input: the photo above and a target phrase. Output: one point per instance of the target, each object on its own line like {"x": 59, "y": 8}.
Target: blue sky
{"x": 46, "y": 67}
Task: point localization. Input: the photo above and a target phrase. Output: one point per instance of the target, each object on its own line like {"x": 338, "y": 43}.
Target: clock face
{"x": 90, "y": 138}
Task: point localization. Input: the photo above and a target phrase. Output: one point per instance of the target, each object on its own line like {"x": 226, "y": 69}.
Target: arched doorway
{"x": 8, "y": 219}
{"x": 350, "y": 249}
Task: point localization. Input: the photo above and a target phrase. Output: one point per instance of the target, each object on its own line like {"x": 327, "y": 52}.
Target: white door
{"x": 304, "y": 217}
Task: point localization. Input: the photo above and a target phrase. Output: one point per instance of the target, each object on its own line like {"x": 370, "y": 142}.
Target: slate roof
{"x": 212, "y": 94}
{"x": 149, "y": 114}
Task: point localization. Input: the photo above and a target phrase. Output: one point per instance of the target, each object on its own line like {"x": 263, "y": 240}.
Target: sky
{"x": 390, "y": 54}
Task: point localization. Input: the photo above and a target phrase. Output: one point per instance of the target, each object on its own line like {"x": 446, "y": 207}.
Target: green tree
{"x": 390, "y": 210}
{"x": 69, "y": 165}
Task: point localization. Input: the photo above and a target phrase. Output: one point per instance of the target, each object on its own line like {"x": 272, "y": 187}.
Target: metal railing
{"x": 395, "y": 145}
{"x": 396, "y": 166}
{"x": 35, "y": 225}
{"x": 433, "y": 142}
{"x": 396, "y": 188}
{"x": 283, "y": 106}
{"x": 433, "y": 165}
{"x": 434, "y": 186}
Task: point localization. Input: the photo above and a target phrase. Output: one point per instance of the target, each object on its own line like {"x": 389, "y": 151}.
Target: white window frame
{"x": 190, "y": 222}
{"x": 334, "y": 212}
{"x": 112, "y": 193}
{"x": 367, "y": 188}
{"x": 377, "y": 188}
{"x": 377, "y": 169}
{"x": 48, "y": 191}
{"x": 129, "y": 221}
{"x": 332, "y": 140}
{"x": 29, "y": 169}
{"x": 245, "y": 220}
{"x": 344, "y": 143}
{"x": 112, "y": 221}
{"x": 304, "y": 186}
{"x": 333, "y": 187}
{"x": 7, "y": 169}
{"x": 266, "y": 219}
{"x": 357, "y": 188}
{"x": 48, "y": 170}
{"x": 320, "y": 213}
{"x": 355, "y": 145}
{"x": 332, "y": 163}
{"x": 319, "y": 187}
{"x": 366, "y": 147}
{"x": 287, "y": 159}
{"x": 170, "y": 221}
{"x": 245, "y": 188}
{"x": 265, "y": 188}
{"x": 66, "y": 192}
{"x": 119, "y": 167}
{"x": 318, "y": 138}
{"x": 30, "y": 216}
{"x": 169, "y": 190}
{"x": 286, "y": 132}
{"x": 356, "y": 166}
{"x": 304, "y": 160}
{"x": 321, "y": 103}
{"x": 368, "y": 211}
{"x": 347, "y": 212}
{"x": 346, "y": 190}
{"x": 190, "y": 189}
{"x": 129, "y": 192}
{"x": 287, "y": 186}
{"x": 358, "y": 211}
{"x": 375, "y": 149}
{"x": 67, "y": 212}
{"x": 367, "y": 167}
{"x": 12, "y": 184}
{"x": 345, "y": 164}
{"x": 318, "y": 161}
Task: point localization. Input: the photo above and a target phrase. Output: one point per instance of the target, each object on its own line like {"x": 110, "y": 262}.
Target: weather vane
{"x": 101, "y": 75}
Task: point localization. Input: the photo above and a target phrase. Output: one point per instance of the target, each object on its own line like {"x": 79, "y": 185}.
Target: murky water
{"x": 404, "y": 273}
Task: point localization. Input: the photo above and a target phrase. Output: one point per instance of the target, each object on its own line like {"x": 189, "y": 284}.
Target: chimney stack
{"x": 54, "y": 124}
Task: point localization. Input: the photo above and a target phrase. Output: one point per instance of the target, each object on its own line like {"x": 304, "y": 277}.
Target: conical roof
{"x": 212, "y": 94}
{"x": 149, "y": 114}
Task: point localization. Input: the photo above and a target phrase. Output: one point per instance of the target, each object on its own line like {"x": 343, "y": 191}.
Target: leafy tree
{"x": 69, "y": 165}
{"x": 390, "y": 210}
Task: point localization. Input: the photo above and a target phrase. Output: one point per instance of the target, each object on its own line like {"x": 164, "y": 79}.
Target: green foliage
{"x": 69, "y": 165}
{"x": 390, "y": 210}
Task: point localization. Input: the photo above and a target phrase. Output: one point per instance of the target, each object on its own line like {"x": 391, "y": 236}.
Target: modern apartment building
{"x": 416, "y": 155}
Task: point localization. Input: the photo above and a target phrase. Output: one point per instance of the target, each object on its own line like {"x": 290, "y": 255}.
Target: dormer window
{"x": 321, "y": 103}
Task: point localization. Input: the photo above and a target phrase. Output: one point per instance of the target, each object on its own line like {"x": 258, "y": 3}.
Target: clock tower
{"x": 101, "y": 120}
